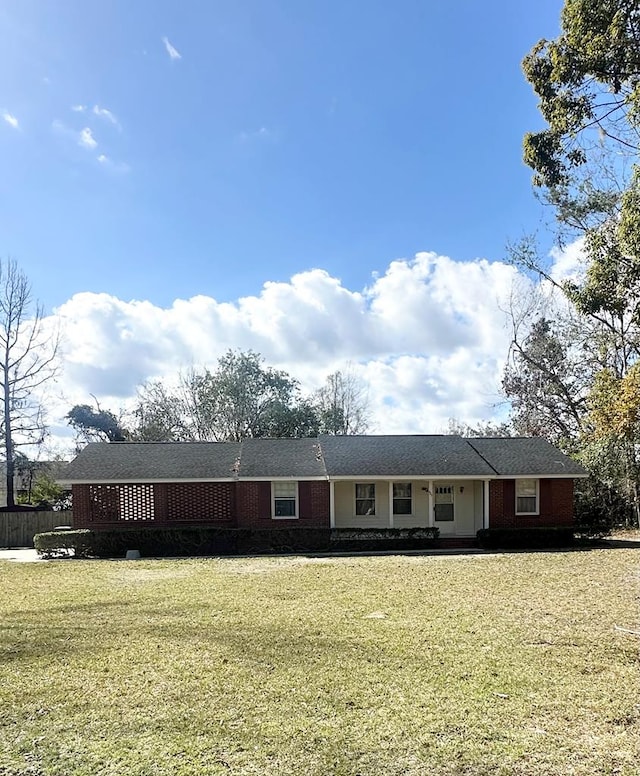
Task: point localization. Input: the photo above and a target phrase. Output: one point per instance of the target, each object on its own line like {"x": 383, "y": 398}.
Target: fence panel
{"x": 17, "y": 529}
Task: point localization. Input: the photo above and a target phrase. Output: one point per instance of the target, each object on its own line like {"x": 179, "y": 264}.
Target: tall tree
{"x": 545, "y": 381}
{"x": 241, "y": 398}
{"x": 242, "y": 393}
{"x": 585, "y": 164}
{"x": 27, "y": 361}
{"x": 343, "y": 404}
{"x": 96, "y": 425}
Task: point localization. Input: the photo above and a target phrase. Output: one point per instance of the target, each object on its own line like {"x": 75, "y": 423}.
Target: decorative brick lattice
{"x": 136, "y": 502}
{"x": 194, "y": 501}
{"x": 103, "y": 504}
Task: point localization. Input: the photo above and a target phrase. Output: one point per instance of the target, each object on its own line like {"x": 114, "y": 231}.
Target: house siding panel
{"x": 253, "y": 504}
{"x": 314, "y": 503}
{"x": 556, "y": 504}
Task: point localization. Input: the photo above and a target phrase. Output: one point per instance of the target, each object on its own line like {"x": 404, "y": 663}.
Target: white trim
{"x": 539, "y": 476}
{"x": 295, "y": 477}
{"x": 332, "y": 505}
{"x": 432, "y": 509}
{"x": 363, "y": 478}
{"x": 525, "y": 514}
{"x": 390, "y": 496}
{"x": 296, "y": 505}
{"x": 485, "y": 504}
{"x": 140, "y": 481}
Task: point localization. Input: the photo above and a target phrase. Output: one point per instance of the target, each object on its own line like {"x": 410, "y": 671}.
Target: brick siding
{"x": 184, "y": 503}
{"x": 555, "y": 504}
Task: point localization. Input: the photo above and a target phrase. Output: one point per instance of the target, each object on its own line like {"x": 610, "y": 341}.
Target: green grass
{"x": 505, "y": 664}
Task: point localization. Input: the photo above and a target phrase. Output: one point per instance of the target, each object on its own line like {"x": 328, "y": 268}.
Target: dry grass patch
{"x": 504, "y": 664}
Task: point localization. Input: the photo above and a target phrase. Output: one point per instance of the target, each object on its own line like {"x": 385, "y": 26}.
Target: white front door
{"x": 444, "y": 508}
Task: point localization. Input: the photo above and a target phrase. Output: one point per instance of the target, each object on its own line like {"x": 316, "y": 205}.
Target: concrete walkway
{"x": 20, "y": 555}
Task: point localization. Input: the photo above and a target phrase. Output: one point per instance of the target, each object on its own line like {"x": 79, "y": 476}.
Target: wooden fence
{"x": 17, "y": 529}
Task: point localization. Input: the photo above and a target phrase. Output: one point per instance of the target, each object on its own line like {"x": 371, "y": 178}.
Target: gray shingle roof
{"x": 517, "y": 456}
{"x": 446, "y": 456}
{"x": 147, "y": 461}
{"x": 298, "y": 458}
{"x": 334, "y": 456}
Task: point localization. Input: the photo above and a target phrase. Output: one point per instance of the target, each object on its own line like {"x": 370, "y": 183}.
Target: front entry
{"x": 444, "y": 508}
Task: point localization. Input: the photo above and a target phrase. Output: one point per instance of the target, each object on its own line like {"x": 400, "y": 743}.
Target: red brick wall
{"x": 241, "y": 504}
{"x": 314, "y": 504}
{"x": 184, "y": 503}
{"x": 253, "y": 500}
{"x": 555, "y": 504}
{"x": 253, "y": 504}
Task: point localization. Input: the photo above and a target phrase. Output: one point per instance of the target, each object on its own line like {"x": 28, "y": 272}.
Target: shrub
{"x": 62, "y": 544}
{"x": 179, "y": 542}
{"x": 599, "y": 508}
{"x": 524, "y": 538}
{"x": 372, "y": 539}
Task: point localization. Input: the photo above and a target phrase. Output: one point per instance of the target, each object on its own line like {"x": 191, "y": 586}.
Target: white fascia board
{"x": 293, "y": 477}
{"x": 410, "y": 477}
{"x": 146, "y": 481}
{"x": 540, "y": 476}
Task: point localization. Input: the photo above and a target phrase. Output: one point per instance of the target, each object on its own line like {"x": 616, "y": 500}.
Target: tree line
{"x": 241, "y": 398}
{"x": 573, "y": 374}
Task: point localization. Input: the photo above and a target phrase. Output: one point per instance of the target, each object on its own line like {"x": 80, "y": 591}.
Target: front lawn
{"x": 504, "y": 664}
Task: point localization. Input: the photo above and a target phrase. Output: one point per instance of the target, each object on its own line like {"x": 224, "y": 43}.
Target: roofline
{"x": 540, "y": 476}
{"x": 325, "y": 478}
{"x": 168, "y": 480}
{"x": 144, "y": 480}
{"x": 397, "y": 477}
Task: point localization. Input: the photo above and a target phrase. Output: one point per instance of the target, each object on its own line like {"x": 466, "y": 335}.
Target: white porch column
{"x": 390, "y": 504}
{"x": 332, "y": 504}
{"x": 431, "y": 522}
{"x": 485, "y": 493}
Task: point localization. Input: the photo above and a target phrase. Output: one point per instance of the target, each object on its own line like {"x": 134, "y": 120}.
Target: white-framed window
{"x": 402, "y": 503}
{"x": 365, "y": 498}
{"x": 285, "y": 499}
{"x": 527, "y": 496}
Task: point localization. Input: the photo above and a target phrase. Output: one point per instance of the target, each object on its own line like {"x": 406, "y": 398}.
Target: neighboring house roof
{"x": 272, "y": 458}
{"x": 326, "y": 457}
{"x": 370, "y": 456}
{"x": 520, "y": 456}
{"x": 146, "y": 461}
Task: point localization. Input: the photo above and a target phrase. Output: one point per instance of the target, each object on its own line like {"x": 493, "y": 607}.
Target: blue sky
{"x": 288, "y": 135}
{"x": 325, "y": 183}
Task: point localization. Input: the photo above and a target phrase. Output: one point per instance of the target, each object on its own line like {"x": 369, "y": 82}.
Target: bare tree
{"x": 343, "y": 404}
{"x": 27, "y": 360}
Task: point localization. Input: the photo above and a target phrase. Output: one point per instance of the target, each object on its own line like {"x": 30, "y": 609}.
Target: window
{"x": 402, "y": 498}
{"x": 526, "y": 497}
{"x": 285, "y": 498}
{"x": 365, "y": 499}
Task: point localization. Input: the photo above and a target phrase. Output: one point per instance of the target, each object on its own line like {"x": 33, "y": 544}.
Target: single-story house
{"x": 459, "y": 485}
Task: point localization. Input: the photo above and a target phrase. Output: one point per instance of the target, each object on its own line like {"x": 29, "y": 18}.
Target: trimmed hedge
{"x": 203, "y": 540}
{"x": 524, "y": 538}
{"x": 179, "y": 542}
{"x": 372, "y": 539}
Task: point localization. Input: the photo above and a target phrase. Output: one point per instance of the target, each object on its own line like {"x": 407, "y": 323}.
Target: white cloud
{"x": 171, "y": 50}
{"x": 11, "y": 120}
{"x": 428, "y": 336}
{"x": 86, "y": 139}
{"x": 78, "y": 108}
{"x": 259, "y": 134}
{"x": 568, "y": 262}
{"x": 106, "y": 114}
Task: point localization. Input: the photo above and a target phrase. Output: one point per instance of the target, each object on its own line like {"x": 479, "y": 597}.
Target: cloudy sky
{"x": 323, "y": 182}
